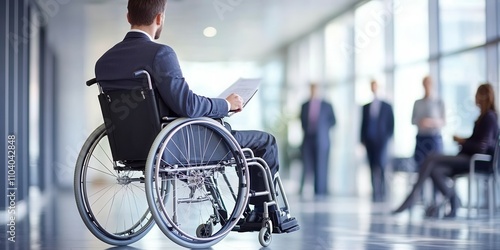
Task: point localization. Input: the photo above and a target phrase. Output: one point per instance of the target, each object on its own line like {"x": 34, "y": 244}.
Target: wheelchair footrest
{"x": 281, "y": 224}
{"x": 289, "y": 225}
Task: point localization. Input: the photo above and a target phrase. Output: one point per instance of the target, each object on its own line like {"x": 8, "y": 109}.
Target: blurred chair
{"x": 404, "y": 167}
{"x": 490, "y": 178}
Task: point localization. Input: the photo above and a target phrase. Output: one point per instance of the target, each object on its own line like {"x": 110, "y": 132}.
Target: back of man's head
{"x": 143, "y": 12}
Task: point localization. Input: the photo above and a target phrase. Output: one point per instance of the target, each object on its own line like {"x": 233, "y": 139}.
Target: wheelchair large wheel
{"x": 110, "y": 198}
{"x": 199, "y": 182}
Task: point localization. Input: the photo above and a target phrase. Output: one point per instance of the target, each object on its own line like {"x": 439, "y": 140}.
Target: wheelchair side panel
{"x": 194, "y": 145}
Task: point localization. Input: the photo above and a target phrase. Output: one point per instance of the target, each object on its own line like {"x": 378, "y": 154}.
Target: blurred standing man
{"x": 377, "y": 127}
{"x": 429, "y": 116}
{"x": 317, "y": 119}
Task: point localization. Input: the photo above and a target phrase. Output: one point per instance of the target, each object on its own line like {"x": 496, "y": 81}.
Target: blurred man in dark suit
{"x": 317, "y": 119}
{"x": 377, "y": 128}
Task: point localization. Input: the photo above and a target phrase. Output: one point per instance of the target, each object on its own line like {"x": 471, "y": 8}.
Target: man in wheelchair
{"x": 115, "y": 70}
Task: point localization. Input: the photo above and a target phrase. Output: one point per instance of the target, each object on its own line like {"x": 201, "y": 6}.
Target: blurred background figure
{"x": 429, "y": 117}
{"x": 377, "y": 128}
{"x": 317, "y": 118}
{"x": 441, "y": 168}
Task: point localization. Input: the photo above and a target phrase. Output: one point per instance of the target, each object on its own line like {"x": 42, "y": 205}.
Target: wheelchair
{"x": 189, "y": 176}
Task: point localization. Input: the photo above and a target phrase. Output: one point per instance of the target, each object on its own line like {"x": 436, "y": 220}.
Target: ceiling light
{"x": 210, "y": 32}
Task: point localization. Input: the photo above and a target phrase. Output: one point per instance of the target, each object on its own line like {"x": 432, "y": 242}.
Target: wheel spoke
{"x": 201, "y": 195}
{"x": 109, "y": 201}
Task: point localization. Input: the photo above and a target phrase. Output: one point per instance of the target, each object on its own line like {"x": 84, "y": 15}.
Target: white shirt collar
{"x": 143, "y": 32}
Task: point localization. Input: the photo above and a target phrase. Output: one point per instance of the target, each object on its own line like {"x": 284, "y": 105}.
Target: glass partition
{"x": 460, "y": 76}
{"x": 370, "y": 21}
{"x": 407, "y": 89}
{"x": 339, "y": 54}
{"x": 462, "y": 24}
{"x": 411, "y": 31}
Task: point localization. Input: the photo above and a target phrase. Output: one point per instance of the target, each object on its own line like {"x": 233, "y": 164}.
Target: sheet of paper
{"x": 245, "y": 87}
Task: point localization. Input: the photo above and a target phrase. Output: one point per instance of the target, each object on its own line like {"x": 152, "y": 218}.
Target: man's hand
{"x": 431, "y": 123}
{"x": 236, "y": 102}
{"x": 427, "y": 123}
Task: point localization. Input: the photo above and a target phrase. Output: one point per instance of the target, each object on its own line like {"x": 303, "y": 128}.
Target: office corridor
{"x": 50, "y": 48}
{"x": 53, "y": 223}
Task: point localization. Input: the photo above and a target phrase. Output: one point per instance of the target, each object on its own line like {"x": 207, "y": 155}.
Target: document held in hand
{"x": 245, "y": 87}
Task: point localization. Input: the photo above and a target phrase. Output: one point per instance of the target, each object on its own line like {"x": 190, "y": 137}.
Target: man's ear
{"x": 128, "y": 18}
{"x": 159, "y": 19}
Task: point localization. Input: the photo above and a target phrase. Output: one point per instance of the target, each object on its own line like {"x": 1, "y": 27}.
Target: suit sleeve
{"x": 333, "y": 121}
{"x": 414, "y": 114}
{"x": 176, "y": 93}
{"x": 442, "y": 111}
{"x": 363, "y": 125}
{"x": 303, "y": 116}
{"x": 391, "y": 120}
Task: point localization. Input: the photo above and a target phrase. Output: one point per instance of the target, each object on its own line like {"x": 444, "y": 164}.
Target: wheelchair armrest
{"x": 168, "y": 118}
{"x": 91, "y": 82}
{"x": 248, "y": 153}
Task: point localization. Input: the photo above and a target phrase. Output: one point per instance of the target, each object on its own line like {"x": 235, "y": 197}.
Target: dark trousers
{"x": 377, "y": 158}
{"x": 315, "y": 160}
{"x": 427, "y": 145}
{"x": 264, "y": 146}
{"x": 447, "y": 167}
{"x": 440, "y": 168}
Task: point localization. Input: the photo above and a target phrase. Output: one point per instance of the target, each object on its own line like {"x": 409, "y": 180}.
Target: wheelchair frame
{"x": 194, "y": 167}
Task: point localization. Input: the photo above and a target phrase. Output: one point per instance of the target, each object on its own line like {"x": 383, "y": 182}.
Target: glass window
{"x": 463, "y": 23}
{"x": 370, "y": 21}
{"x": 407, "y": 89}
{"x": 297, "y": 75}
{"x": 411, "y": 31}
{"x": 316, "y": 56}
{"x": 498, "y": 17}
{"x": 211, "y": 78}
{"x": 344, "y": 136}
{"x": 34, "y": 105}
{"x": 460, "y": 76}
{"x": 339, "y": 74}
{"x": 338, "y": 49}
{"x": 269, "y": 93}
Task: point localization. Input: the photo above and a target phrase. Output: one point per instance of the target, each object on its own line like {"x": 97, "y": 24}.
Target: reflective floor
{"x": 52, "y": 222}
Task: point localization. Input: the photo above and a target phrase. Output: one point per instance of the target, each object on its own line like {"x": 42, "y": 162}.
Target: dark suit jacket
{"x": 137, "y": 52}
{"x": 326, "y": 120}
{"x": 377, "y": 131}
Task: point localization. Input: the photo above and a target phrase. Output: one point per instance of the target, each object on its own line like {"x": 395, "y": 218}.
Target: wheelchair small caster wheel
{"x": 265, "y": 234}
{"x": 204, "y": 230}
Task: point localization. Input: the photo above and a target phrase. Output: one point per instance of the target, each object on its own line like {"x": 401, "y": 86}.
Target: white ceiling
{"x": 247, "y": 29}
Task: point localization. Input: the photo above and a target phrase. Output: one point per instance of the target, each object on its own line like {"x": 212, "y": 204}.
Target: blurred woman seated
{"x": 440, "y": 168}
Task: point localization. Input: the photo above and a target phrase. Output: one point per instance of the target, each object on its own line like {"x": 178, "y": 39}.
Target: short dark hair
{"x": 143, "y": 12}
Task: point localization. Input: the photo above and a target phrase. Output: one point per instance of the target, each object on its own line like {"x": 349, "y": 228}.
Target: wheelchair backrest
{"x": 132, "y": 119}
